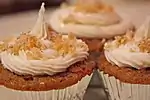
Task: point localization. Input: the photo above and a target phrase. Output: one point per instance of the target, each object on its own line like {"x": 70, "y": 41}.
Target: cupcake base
{"x": 62, "y": 80}
{"x": 124, "y": 74}
{"x": 124, "y": 83}
{"x": 118, "y": 90}
{"x": 75, "y": 92}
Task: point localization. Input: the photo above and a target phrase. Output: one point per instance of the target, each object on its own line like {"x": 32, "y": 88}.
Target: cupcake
{"x": 125, "y": 65}
{"x": 43, "y": 65}
{"x": 91, "y": 21}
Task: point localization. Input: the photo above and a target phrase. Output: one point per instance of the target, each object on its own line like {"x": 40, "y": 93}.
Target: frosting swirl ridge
{"x": 35, "y": 61}
{"x": 41, "y": 51}
{"x": 133, "y": 52}
{"x": 90, "y": 20}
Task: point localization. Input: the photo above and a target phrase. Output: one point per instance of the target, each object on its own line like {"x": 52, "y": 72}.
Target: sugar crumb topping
{"x": 25, "y": 42}
{"x": 144, "y": 45}
{"x": 65, "y": 45}
{"x": 119, "y": 40}
{"x": 34, "y": 47}
{"x": 36, "y": 54}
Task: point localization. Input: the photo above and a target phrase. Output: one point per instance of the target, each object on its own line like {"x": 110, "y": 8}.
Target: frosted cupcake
{"x": 42, "y": 65}
{"x": 90, "y": 20}
{"x": 125, "y": 64}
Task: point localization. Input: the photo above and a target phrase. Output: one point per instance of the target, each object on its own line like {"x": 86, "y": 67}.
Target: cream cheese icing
{"x": 20, "y": 64}
{"x": 40, "y": 29}
{"x": 103, "y": 24}
{"x": 34, "y": 54}
{"x": 131, "y": 53}
{"x": 143, "y": 31}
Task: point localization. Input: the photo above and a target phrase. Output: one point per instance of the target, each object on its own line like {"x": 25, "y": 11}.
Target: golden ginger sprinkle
{"x": 26, "y": 42}
{"x": 64, "y": 45}
{"x": 144, "y": 45}
{"x": 123, "y": 39}
{"x": 71, "y": 36}
{"x": 36, "y": 54}
{"x": 93, "y": 8}
{"x": 119, "y": 40}
{"x": 33, "y": 46}
{"x": 3, "y": 46}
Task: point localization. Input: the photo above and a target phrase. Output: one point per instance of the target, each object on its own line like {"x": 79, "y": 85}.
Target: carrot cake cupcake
{"x": 90, "y": 20}
{"x": 43, "y": 65}
{"x": 125, "y": 65}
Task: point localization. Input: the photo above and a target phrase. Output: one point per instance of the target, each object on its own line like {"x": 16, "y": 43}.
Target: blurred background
{"x": 11, "y": 6}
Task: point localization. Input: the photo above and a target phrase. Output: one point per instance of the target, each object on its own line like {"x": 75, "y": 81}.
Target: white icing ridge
{"x": 97, "y": 25}
{"x": 21, "y": 65}
{"x": 129, "y": 54}
{"x": 40, "y": 29}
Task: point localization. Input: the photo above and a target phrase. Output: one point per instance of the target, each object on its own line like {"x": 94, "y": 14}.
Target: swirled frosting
{"x": 127, "y": 51}
{"x": 40, "y": 52}
{"x": 40, "y": 29}
{"x": 91, "y": 19}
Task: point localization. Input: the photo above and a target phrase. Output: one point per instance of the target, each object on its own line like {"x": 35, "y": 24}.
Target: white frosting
{"x": 40, "y": 29}
{"x": 129, "y": 55}
{"x": 96, "y": 25}
{"x": 55, "y": 63}
{"x": 123, "y": 57}
{"x": 143, "y": 31}
{"x": 21, "y": 65}
{"x": 102, "y": 18}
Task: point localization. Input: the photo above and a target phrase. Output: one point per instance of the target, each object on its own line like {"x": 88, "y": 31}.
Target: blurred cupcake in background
{"x": 91, "y": 20}
{"x": 43, "y": 65}
{"x": 125, "y": 65}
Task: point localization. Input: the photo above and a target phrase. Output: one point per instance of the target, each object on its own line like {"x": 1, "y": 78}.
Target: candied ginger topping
{"x": 144, "y": 45}
{"x": 34, "y": 47}
{"x": 119, "y": 40}
{"x": 64, "y": 45}
{"x": 26, "y": 42}
{"x": 67, "y": 45}
{"x": 36, "y": 54}
{"x": 3, "y": 46}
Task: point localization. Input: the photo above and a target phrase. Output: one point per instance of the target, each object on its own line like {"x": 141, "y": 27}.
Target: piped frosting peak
{"x": 144, "y": 31}
{"x": 41, "y": 28}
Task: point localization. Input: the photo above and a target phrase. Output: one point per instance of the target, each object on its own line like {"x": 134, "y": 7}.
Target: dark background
{"x": 11, "y": 6}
